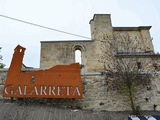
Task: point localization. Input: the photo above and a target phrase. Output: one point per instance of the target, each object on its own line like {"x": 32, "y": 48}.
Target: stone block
{"x": 157, "y": 99}
{"x": 1, "y": 81}
{"x": 1, "y": 91}
{"x": 158, "y": 108}
{"x": 90, "y": 87}
{"x": 2, "y": 78}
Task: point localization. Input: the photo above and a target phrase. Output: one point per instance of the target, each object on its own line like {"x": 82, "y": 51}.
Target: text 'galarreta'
{"x": 61, "y": 81}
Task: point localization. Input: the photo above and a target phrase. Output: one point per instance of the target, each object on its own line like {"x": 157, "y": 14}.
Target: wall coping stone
{"x": 57, "y": 41}
{"x": 132, "y": 28}
{"x": 35, "y": 69}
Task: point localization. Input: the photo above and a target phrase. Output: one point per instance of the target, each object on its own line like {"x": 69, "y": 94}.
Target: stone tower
{"x": 105, "y": 39}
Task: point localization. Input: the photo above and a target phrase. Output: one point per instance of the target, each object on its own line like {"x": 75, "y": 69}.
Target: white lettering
{"x": 6, "y": 88}
{"x": 18, "y": 90}
{"x": 68, "y": 90}
{"x": 34, "y": 90}
{"x": 43, "y": 90}
{"x": 76, "y": 90}
{"x": 25, "y": 87}
{"x": 59, "y": 91}
{"x": 51, "y": 90}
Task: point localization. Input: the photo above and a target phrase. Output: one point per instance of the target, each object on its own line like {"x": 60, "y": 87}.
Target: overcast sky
{"x": 71, "y": 16}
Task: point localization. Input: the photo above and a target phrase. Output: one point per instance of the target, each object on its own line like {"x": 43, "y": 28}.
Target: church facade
{"x": 106, "y": 44}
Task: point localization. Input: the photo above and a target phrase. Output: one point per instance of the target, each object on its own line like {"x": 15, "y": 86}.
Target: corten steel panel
{"x": 61, "y": 81}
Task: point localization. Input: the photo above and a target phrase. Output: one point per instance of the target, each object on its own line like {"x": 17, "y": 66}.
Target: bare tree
{"x": 126, "y": 75}
{"x": 126, "y": 65}
{"x": 1, "y": 64}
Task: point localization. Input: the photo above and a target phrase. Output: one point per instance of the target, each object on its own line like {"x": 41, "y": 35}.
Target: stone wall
{"x": 63, "y": 52}
{"x": 3, "y": 74}
{"x": 97, "y": 96}
{"x": 107, "y": 44}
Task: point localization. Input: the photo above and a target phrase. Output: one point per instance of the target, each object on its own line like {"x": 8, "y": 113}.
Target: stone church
{"x": 63, "y": 52}
{"x": 106, "y": 43}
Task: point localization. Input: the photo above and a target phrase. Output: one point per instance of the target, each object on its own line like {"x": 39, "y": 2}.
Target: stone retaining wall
{"x": 97, "y": 96}
{"x": 3, "y": 74}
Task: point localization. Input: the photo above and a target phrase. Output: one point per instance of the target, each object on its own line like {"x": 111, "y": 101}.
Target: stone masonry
{"x": 106, "y": 43}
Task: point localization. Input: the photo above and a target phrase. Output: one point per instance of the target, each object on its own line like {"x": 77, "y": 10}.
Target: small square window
{"x": 139, "y": 65}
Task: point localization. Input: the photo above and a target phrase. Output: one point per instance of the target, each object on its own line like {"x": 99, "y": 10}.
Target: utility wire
{"x": 44, "y": 27}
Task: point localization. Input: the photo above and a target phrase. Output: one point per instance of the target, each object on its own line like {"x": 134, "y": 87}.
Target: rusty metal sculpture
{"x": 61, "y": 81}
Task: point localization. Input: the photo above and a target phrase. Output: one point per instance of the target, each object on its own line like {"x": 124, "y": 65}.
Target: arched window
{"x": 78, "y": 51}
{"x": 78, "y": 57}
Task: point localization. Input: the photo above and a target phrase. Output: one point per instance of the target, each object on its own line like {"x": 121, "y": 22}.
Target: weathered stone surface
{"x": 1, "y": 91}
{"x": 3, "y": 74}
{"x": 158, "y": 108}
{"x": 106, "y": 42}
{"x": 1, "y": 81}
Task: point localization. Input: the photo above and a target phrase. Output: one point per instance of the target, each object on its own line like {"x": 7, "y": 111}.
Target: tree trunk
{"x": 132, "y": 101}
{"x": 132, "y": 105}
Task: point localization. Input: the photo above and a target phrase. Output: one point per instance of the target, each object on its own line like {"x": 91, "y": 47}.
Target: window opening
{"x": 78, "y": 57}
{"x": 139, "y": 65}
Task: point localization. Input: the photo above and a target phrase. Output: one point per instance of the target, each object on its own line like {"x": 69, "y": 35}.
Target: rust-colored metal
{"x": 61, "y": 81}
{"x": 72, "y": 104}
